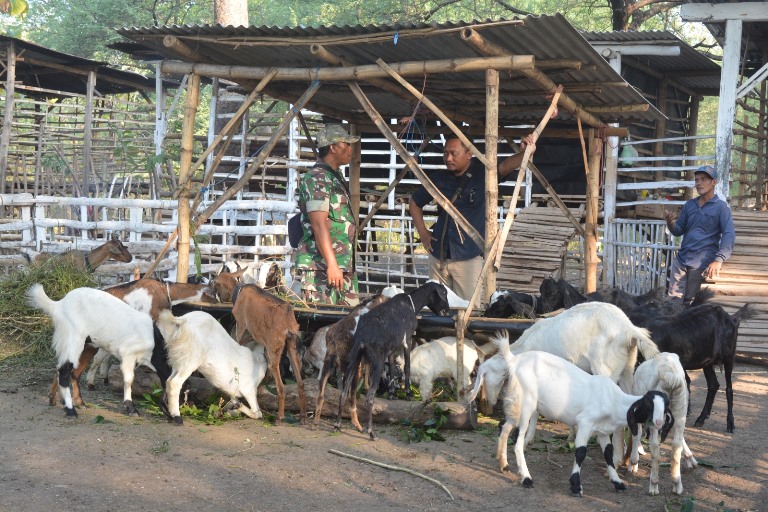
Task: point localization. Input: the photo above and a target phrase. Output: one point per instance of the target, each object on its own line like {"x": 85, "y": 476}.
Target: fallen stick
{"x": 394, "y": 468}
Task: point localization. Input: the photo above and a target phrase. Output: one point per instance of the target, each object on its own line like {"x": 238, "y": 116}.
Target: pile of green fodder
{"x": 25, "y": 333}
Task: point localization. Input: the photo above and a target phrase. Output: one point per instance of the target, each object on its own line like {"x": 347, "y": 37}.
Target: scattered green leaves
{"x": 429, "y": 431}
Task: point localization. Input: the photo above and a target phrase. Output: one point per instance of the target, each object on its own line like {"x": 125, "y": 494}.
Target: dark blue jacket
{"x": 707, "y": 231}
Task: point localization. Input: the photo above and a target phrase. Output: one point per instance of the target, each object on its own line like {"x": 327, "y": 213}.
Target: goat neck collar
{"x": 412, "y": 305}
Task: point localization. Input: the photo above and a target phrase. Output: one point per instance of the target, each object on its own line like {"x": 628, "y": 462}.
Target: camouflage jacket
{"x": 322, "y": 189}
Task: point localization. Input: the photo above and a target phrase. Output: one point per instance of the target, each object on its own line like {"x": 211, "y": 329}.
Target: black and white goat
{"x": 106, "y": 321}
{"x": 542, "y": 383}
{"x": 702, "y": 336}
{"x": 387, "y": 330}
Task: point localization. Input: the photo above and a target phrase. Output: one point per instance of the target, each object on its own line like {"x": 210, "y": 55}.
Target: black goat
{"x": 386, "y": 330}
{"x": 510, "y": 303}
{"x": 702, "y": 336}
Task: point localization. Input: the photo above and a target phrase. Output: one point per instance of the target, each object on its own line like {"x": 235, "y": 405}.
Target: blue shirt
{"x": 708, "y": 232}
{"x": 471, "y": 204}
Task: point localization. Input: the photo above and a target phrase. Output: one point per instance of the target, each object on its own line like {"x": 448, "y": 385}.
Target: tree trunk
{"x": 230, "y": 12}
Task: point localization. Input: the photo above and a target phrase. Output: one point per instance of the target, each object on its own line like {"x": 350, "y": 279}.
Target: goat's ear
{"x": 631, "y": 418}
{"x": 669, "y": 422}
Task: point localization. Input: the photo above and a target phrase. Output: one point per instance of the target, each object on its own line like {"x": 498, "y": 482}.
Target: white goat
{"x": 665, "y": 373}
{"x": 542, "y": 383}
{"x": 110, "y": 324}
{"x": 437, "y": 359}
{"x": 595, "y": 336}
{"x": 196, "y": 341}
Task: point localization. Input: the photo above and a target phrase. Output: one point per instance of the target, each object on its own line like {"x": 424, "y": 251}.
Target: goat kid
{"x": 664, "y": 373}
{"x": 385, "y": 331}
{"x": 542, "y": 383}
{"x": 197, "y": 342}
{"x": 338, "y": 343}
{"x": 112, "y": 249}
{"x": 436, "y": 359}
{"x": 87, "y": 313}
{"x": 270, "y": 321}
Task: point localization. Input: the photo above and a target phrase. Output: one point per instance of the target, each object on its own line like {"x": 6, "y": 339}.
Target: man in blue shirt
{"x": 454, "y": 258}
{"x": 706, "y": 225}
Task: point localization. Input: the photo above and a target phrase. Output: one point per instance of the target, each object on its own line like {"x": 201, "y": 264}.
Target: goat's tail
{"x": 501, "y": 341}
{"x": 37, "y": 299}
{"x": 354, "y": 359}
{"x": 744, "y": 313}
{"x": 645, "y": 344}
{"x": 703, "y": 296}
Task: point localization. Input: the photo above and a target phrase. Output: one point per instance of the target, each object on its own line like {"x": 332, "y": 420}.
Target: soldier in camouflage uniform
{"x": 325, "y": 258}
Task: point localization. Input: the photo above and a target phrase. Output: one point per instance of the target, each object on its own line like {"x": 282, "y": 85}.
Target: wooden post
{"x": 743, "y": 167}
{"x": 88, "y": 134}
{"x": 10, "y": 87}
{"x": 727, "y": 105}
{"x": 761, "y": 147}
{"x": 491, "y": 174}
{"x": 354, "y": 175}
{"x": 661, "y": 124}
{"x": 593, "y": 194}
{"x": 185, "y": 175}
{"x": 693, "y": 130}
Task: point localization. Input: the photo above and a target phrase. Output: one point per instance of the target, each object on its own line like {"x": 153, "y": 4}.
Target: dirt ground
{"x": 50, "y": 462}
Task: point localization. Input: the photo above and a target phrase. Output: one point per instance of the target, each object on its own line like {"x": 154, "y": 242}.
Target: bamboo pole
{"x": 479, "y": 43}
{"x": 455, "y": 129}
{"x": 308, "y": 135}
{"x": 10, "y": 85}
{"x": 354, "y": 173}
{"x": 417, "y": 170}
{"x": 761, "y": 147}
{"x": 185, "y": 175}
{"x": 693, "y": 130}
{"x": 593, "y": 194}
{"x": 526, "y": 156}
{"x": 88, "y": 171}
{"x": 491, "y": 174}
{"x": 410, "y": 68}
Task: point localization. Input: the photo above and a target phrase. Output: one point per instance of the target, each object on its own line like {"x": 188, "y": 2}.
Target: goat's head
{"x": 437, "y": 300}
{"x": 558, "y": 294}
{"x": 117, "y": 251}
{"x": 221, "y": 287}
{"x": 652, "y": 410}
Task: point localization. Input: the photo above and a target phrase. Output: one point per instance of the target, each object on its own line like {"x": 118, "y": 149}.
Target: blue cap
{"x": 708, "y": 170}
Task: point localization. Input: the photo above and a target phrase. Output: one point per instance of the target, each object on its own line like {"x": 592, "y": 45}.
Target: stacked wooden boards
{"x": 535, "y": 249}
{"x": 744, "y": 278}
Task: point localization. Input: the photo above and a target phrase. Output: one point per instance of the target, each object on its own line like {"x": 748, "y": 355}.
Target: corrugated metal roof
{"x": 522, "y": 100}
{"x": 690, "y": 69}
{"x": 57, "y": 71}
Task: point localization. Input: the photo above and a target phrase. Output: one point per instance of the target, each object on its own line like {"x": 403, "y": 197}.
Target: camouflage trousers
{"x": 315, "y": 289}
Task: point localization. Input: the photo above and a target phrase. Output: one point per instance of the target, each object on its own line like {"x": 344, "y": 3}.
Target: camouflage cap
{"x": 333, "y": 133}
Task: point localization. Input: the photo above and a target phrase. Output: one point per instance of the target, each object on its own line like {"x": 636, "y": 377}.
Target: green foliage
{"x": 429, "y": 431}
{"x": 14, "y": 7}
{"x": 26, "y": 332}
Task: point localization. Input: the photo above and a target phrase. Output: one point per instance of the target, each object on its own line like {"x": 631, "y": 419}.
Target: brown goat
{"x": 271, "y": 322}
{"x": 147, "y": 295}
{"x": 338, "y": 343}
{"x": 112, "y": 249}
{"x": 222, "y": 285}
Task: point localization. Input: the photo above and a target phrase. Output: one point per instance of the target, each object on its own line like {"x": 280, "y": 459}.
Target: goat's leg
{"x": 674, "y": 470}
{"x": 376, "y": 368}
{"x": 522, "y": 433}
{"x": 293, "y": 355}
{"x": 100, "y": 364}
{"x": 688, "y": 388}
{"x": 65, "y": 377}
{"x": 501, "y": 446}
{"x": 325, "y": 374}
{"x": 582, "y": 437}
{"x": 407, "y": 371}
{"x": 607, "y": 448}
{"x": 728, "y": 367}
{"x": 618, "y": 446}
{"x": 173, "y": 391}
{"x": 688, "y": 458}
{"x": 128, "y": 366}
{"x": 85, "y": 357}
{"x": 712, "y": 386}
{"x": 653, "y": 444}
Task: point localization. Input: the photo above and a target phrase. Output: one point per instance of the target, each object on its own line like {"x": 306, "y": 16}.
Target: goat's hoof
{"x": 71, "y": 412}
{"x": 91, "y": 387}
{"x": 699, "y": 422}
{"x": 620, "y": 486}
{"x": 337, "y": 428}
{"x": 177, "y": 420}
{"x": 528, "y": 483}
{"x": 730, "y": 427}
{"x": 129, "y": 408}
{"x": 373, "y": 436}
{"x": 653, "y": 490}
{"x": 578, "y": 494}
